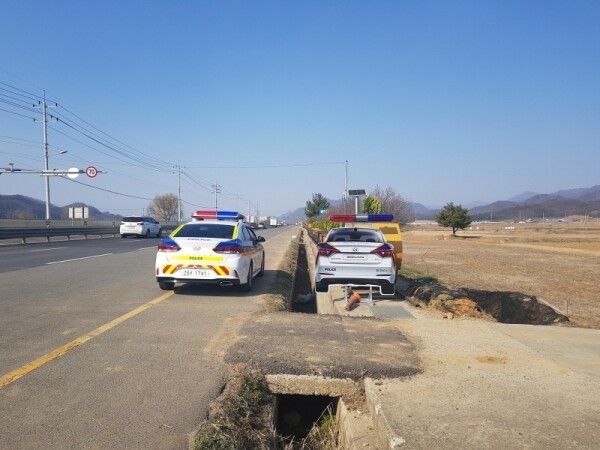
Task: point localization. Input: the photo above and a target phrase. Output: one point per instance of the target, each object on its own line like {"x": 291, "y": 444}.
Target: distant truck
{"x": 273, "y": 222}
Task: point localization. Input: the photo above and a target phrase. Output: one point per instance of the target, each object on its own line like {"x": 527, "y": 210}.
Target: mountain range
{"x": 525, "y": 206}
{"x": 27, "y": 208}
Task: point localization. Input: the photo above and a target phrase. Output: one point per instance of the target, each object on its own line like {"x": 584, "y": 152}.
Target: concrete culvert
{"x": 296, "y": 415}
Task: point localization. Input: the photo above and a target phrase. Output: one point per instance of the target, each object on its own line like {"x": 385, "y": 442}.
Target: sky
{"x": 273, "y": 101}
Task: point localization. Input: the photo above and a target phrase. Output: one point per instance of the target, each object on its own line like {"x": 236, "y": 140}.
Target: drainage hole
{"x": 295, "y": 415}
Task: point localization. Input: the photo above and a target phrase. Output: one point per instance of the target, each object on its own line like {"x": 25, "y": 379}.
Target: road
{"x": 94, "y": 355}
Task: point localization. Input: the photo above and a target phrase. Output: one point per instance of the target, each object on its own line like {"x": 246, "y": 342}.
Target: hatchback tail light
{"x": 325, "y": 249}
{"x": 230, "y": 247}
{"x": 168, "y": 245}
{"x": 385, "y": 251}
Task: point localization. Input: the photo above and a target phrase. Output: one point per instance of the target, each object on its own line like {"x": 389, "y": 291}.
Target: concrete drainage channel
{"x": 302, "y": 379}
{"x": 296, "y": 377}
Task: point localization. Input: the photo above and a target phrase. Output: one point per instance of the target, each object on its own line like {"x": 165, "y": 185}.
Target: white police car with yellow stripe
{"x": 216, "y": 247}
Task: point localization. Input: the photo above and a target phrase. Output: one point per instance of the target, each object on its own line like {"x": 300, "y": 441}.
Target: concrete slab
{"x": 481, "y": 388}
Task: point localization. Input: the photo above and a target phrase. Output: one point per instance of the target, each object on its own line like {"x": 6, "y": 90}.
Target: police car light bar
{"x": 217, "y": 215}
{"x": 361, "y": 217}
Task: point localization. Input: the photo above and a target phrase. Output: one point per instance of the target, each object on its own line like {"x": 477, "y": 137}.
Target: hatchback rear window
{"x": 132, "y": 219}
{"x": 351, "y": 235}
{"x": 216, "y": 231}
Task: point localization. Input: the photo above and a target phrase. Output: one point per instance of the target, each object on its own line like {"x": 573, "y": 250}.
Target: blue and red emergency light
{"x": 217, "y": 215}
{"x": 361, "y": 217}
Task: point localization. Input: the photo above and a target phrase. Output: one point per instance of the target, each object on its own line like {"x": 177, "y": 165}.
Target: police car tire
{"x": 159, "y": 234}
{"x": 247, "y": 287}
{"x": 320, "y": 287}
{"x": 262, "y": 267}
{"x": 388, "y": 289}
{"x": 166, "y": 285}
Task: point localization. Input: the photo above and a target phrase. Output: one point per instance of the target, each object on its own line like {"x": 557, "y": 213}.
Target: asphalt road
{"x": 94, "y": 355}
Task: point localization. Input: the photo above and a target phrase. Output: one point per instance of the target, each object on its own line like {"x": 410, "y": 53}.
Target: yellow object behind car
{"x": 390, "y": 229}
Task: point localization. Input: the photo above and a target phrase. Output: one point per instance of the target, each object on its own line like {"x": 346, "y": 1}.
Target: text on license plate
{"x": 355, "y": 257}
{"x": 195, "y": 273}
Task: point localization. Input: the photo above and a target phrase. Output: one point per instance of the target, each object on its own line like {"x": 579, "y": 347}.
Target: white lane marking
{"x": 45, "y": 249}
{"x": 146, "y": 248}
{"x": 78, "y": 259}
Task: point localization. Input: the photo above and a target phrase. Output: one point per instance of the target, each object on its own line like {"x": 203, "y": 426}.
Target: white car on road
{"x": 140, "y": 226}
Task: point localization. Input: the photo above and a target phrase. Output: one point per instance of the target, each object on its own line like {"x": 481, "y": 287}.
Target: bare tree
{"x": 392, "y": 203}
{"x": 164, "y": 207}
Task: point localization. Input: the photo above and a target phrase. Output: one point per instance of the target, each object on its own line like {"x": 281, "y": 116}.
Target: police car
{"x": 357, "y": 255}
{"x": 216, "y": 247}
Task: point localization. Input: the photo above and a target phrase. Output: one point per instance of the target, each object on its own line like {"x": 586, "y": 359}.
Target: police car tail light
{"x": 229, "y": 247}
{"x": 361, "y": 217}
{"x": 385, "y": 251}
{"x": 168, "y": 245}
{"x": 326, "y": 249}
{"x": 217, "y": 215}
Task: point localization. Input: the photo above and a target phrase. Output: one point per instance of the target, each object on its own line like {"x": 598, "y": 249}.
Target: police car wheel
{"x": 388, "y": 289}
{"x": 320, "y": 287}
{"x": 166, "y": 285}
{"x": 247, "y": 287}
{"x": 262, "y": 267}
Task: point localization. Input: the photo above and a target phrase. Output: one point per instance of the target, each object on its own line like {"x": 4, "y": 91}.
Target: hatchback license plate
{"x": 195, "y": 273}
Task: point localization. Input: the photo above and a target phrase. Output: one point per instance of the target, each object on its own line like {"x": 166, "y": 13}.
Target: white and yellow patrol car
{"x": 216, "y": 247}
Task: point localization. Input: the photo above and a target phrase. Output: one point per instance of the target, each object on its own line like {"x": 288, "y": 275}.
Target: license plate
{"x": 194, "y": 273}
{"x": 355, "y": 257}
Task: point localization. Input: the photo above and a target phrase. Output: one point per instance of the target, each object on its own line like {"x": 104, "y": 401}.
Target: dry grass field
{"x": 557, "y": 263}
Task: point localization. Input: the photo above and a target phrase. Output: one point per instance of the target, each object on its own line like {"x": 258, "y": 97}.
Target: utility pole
{"x": 44, "y": 108}
{"x": 178, "y": 193}
{"x": 217, "y": 190}
{"x": 346, "y": 187}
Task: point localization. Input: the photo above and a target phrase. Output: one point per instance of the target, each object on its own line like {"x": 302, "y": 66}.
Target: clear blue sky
{"x": 443, "y": 101}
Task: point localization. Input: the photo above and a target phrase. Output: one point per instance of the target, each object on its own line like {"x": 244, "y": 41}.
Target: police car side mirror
{"x": 261, "y": 239}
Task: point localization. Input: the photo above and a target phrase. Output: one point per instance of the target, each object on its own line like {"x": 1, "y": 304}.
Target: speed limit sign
{"x": 91, "y": 171}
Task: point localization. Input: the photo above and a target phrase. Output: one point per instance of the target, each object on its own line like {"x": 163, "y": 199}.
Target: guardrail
{"x": 48, "y": 232}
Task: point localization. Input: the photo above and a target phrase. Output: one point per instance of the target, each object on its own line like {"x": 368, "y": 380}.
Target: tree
{"x": 392, "y": 203}
{"x": 454, "y": 216}
{"x": 164, "y": 207}
{"x": 371, "y": 205}
{"x": 314, "y": 207}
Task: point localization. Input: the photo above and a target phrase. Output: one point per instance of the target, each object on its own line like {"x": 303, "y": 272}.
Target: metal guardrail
{"x": 48, "y": 232}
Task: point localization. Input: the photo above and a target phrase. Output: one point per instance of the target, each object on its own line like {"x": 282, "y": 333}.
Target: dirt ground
{"x": 558, "y": 263}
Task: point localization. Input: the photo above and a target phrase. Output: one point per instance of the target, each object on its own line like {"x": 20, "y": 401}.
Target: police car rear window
{"x": 215, "y": 231}
{"x": 355, "y": 236}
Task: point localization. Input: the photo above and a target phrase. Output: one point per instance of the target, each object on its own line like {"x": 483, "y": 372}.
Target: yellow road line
{"x": 27, "y": 368}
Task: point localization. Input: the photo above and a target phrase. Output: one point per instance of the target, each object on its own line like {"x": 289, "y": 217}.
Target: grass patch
{"x": 416, "y": 275}
{"x": 242, "y": 415}
{"x": 242, "y": 418}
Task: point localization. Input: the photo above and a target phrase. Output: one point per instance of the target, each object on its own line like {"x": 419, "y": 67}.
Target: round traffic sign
{"x": 91, "y": 171}
{"x": 73, "y": 172}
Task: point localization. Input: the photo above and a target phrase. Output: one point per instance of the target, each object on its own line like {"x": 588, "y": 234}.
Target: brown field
{"x": 557, "y": 263}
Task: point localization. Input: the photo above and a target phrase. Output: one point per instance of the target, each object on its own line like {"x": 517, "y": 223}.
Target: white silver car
{"x": 359, "y": 256}
{"x": 140, "y": 226}
{"x": 215, "y": 248}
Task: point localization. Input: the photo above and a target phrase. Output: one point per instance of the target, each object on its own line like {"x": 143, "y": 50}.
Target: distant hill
{"x": 528, "y": 205}
{"x": 560, "y": 204}
{"x": 27, "y": 208}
